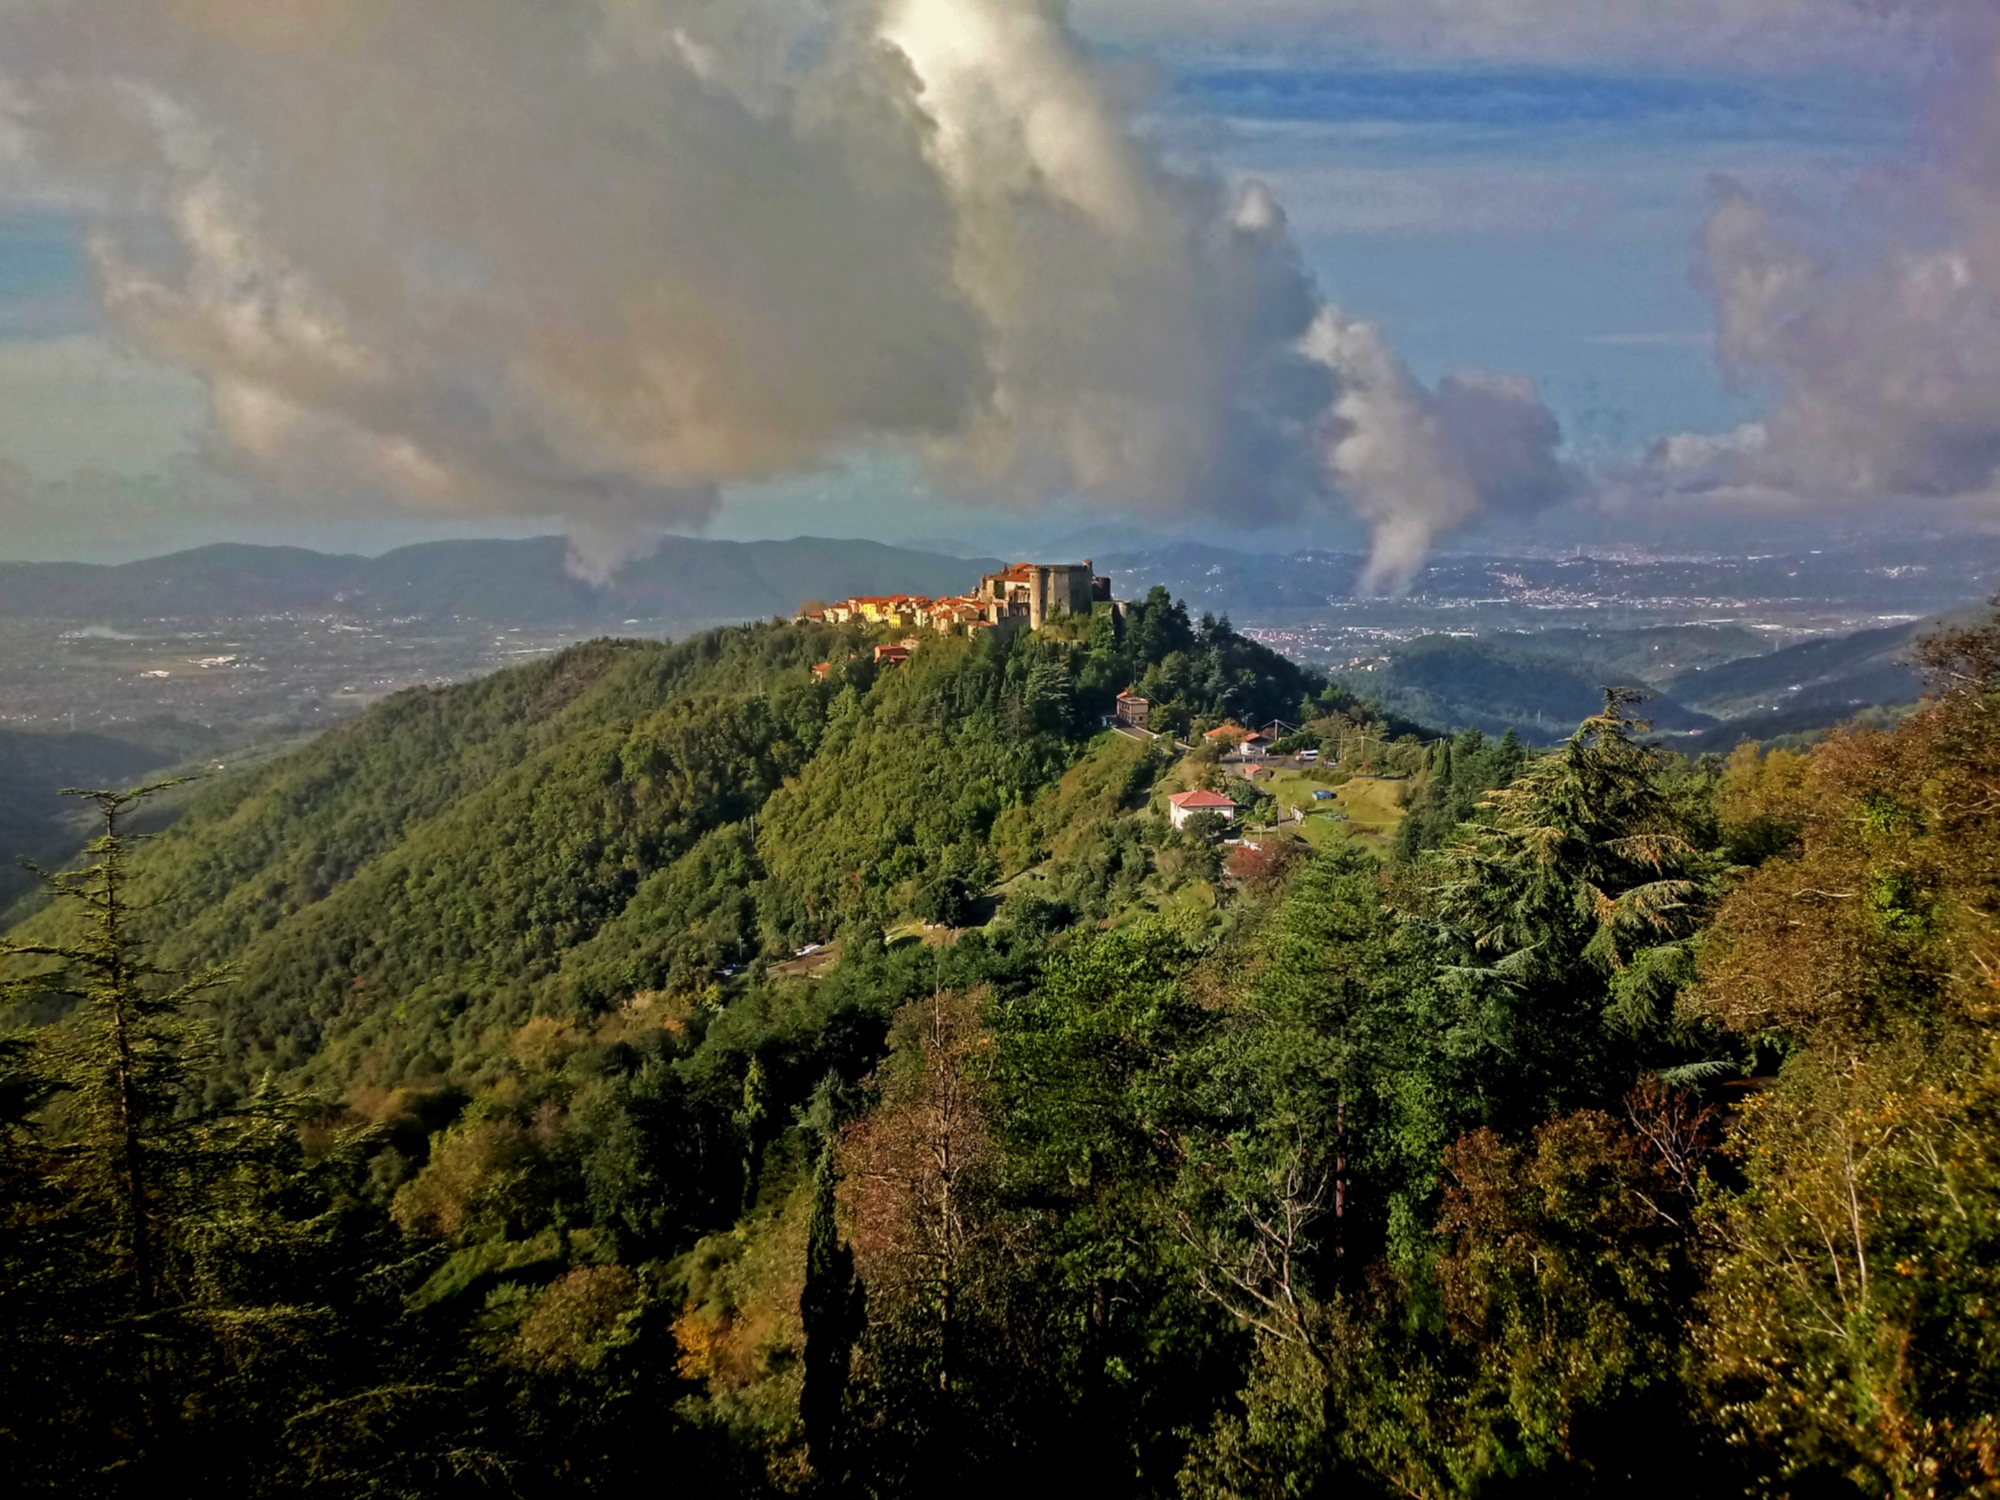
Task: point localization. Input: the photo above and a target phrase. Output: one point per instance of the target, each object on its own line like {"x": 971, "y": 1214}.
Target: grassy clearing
{"x": 1369, "y": 804}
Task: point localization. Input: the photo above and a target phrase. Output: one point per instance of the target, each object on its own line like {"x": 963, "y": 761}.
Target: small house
{"x": 1184, "y": 805}
{"x": 1227, "y": 733}
{"x": 820, "y": 670}
{"x": 891, "y": 656}
{"x": 1131, "y": 710}
{"x": 1255, "y": 746}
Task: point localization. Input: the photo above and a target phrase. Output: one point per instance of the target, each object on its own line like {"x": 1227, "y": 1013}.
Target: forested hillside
{"x": 1627, "y": 1124}
{"x": 35, "y": 766}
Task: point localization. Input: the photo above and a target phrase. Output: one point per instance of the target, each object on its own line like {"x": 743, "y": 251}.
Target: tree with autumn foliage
{"x": 1852, "y": 1320}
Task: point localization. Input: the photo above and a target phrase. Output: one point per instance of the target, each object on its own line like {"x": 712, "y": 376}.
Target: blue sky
{"x": 1540, "y": 220}
{"x": 1522, "y": 220}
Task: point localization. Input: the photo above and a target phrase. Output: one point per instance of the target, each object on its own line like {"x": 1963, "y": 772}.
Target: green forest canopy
{"x": 1632, "y": 1126}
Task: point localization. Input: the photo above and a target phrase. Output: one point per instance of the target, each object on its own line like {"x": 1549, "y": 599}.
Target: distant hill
{"x": 687, "y": 580}
{"x": 631, "y": 815}
{"x": 1507, "y": 682}
{"x": 1846, "y": 672}
{"x": 1541, "y": 685}
{"x": 37, "y": 823}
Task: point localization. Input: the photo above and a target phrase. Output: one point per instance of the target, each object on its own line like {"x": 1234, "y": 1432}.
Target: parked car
{"x": 1309, "y": 756}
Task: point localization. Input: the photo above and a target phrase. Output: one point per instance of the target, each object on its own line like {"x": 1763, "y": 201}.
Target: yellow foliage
{"x": 1764, "y": 799}
{"x": 573, "y": 1323}
{"x": 473, "y": 1170}
{"x": 545, "y": 1043}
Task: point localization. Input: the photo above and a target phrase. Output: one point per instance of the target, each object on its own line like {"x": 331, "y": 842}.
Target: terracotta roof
{"x": 1222, "y": 731}
{"x": 1200, "y": 799}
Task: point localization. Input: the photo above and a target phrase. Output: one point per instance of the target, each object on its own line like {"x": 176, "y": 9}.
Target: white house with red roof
{"x": 1184, "y": 805}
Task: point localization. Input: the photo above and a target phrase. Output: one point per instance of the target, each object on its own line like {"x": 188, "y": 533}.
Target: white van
{"x": 1309, "y": 756}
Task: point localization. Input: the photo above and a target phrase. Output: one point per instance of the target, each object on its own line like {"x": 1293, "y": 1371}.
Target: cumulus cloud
{"x": 1419, "y": 463}
{"x": 1878, "y": 335}
{"x": 597, "y": 258}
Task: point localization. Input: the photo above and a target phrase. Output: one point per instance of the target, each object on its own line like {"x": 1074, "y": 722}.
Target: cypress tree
{"x": 750, "y": 1120}
{"x": 830, "y": 1314}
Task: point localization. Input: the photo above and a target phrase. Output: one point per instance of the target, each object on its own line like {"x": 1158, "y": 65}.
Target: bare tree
{"x": 915, "y": 1168}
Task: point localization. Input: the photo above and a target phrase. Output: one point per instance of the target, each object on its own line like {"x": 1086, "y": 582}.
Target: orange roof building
{"x": 1184, "y": 805}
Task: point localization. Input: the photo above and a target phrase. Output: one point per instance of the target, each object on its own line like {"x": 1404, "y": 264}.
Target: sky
{"x": 1354, "y": 273}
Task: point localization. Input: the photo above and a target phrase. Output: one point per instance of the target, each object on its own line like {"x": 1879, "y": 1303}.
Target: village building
{"x": 1227, "y": 733}
{"x": 953, "y": 614}
{"x": 1131, "y": 710}
{"x": 820, "y": 670}
{"x": 891, "y": 656}
{"x": 1254, "y": 746}
{"x": 1042, "y": 591}
{"x": 1184, "y": 805}
{"x": 900, "y": 610}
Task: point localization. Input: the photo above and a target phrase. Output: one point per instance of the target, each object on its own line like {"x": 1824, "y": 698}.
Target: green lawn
{"x": 1369, "y": 802}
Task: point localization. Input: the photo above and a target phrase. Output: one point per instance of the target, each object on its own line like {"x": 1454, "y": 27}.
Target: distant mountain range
{"x": 1541, "y": 685}
{"x": 687, "y": 580}
{"x": 1545, "y": 634}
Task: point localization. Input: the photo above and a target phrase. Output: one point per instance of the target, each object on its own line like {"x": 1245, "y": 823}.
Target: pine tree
{"x": 169, "y": 1263}
{"x": 119, "y": 1067}
{"x": 1563, "y": 917}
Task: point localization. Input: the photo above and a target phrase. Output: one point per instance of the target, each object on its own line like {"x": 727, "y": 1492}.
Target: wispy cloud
{"x": 1736, "y": 35}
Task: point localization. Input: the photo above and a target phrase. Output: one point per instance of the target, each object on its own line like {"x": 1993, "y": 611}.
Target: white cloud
{"x": 1879, "y": 332}
{"x": 1421, "y": 463}
{"x": 603, "y": 257}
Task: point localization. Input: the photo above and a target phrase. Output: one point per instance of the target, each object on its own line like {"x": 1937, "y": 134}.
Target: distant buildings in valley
{"x": 1025, "y": 595}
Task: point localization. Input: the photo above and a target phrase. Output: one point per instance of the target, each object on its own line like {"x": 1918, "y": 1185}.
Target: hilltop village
{"x": 1268, "y": 767}
{"x": 1025, "y": 595}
